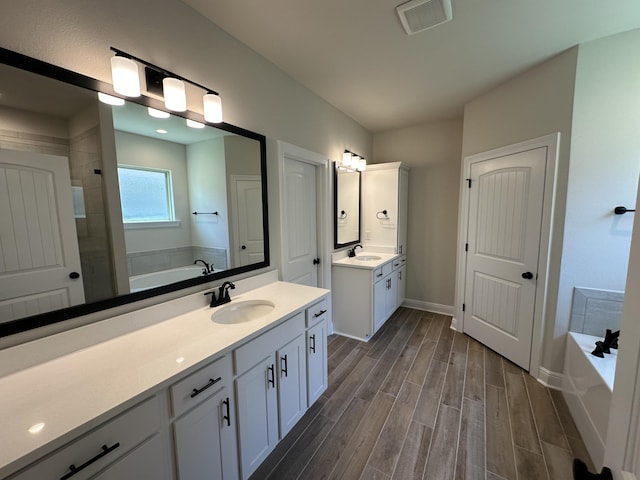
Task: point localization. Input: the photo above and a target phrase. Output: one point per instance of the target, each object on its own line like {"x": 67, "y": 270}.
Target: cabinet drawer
{"x": 260, "y": 347}
{"x": 191, "y": 390}
{"x": 317, "y": 312}
{"x": 399, "y": 262}
{"x": 99, "y": 448}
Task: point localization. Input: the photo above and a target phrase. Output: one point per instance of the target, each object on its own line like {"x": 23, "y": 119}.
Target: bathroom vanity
{"x": 201, "y": 391}
{"x": 367, "y": 289}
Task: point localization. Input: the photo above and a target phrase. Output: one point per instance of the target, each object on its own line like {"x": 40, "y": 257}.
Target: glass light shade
{"x": 346, "y": 159}
{"x": 194, "y": 124}
{"x": 110, "y": 99}
{"x": 155, "y": 113}
{"x": 124, "y": 73}
{"x": 175, "y": 96}
{"x": 354, "y": 161}
{"x": 362, "y": 165}
{"x": 212, "y": 104}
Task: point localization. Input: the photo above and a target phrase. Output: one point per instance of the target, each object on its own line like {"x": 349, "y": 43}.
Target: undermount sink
{"x": 367, "y": 258}
{"x": 242, "y": 311}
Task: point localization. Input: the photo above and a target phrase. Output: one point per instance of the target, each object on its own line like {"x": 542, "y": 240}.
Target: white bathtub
{"x": 588, "y": 386}
{"x": 138, "y": 283}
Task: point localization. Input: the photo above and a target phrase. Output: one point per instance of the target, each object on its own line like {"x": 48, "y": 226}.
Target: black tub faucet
{"x": 352, "y": 251}
{"x": 207, "y": 268}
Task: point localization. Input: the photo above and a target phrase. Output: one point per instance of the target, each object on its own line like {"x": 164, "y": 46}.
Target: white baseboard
{"x": 428, "y": 306}
{"x": 624, "y": 475}
{"x": 550, "y": 379}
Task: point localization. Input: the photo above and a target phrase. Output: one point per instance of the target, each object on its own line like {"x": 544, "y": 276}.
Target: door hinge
{"x": 466, "y": 247}
{"x": 468, "y": 180}
{"x": 463, "y": 307}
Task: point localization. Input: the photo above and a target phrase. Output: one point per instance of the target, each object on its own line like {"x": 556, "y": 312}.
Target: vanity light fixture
{"x": 353, "y": 161}
{"x": 161, "y": 82}
{"x": 155, "y": 113}
{"x": 110, "y": 99}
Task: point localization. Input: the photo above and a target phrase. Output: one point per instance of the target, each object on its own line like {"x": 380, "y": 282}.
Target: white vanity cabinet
{"x": 128, "y": 446}
{"x": 317, "y": 371}
{"x": 271, "y": 389}
{"x": 205, "y": 438}
{"x": 385, "y": 188}
{"x": 365, "y": 298}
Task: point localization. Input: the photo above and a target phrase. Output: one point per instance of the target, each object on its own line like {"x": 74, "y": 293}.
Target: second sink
{"x": 242, "y": 311}
{"x": 367, "y": 258}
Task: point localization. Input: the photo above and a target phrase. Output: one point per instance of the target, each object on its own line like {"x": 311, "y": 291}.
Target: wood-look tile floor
{"x": 420, "y": 401}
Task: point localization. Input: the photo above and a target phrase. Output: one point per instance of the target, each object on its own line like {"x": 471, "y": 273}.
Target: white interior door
{"x": 247, "y": 205}
{"x": 38, "y": 242}
{"x": 300, "y": 241}
{"x": 505, "y": 216}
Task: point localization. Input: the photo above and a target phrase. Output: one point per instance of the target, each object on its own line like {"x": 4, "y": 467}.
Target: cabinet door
{"x": 292, "y": 382}
{"x": 205, "y": 440}
{"x": 144, "y": 463}
{"x": 379, "y": 303}
{"x": 316, "y": 361}
{"x": 257, "y": 400}
{"x": 403, "y": 206}
{"x": 402, "y": 284}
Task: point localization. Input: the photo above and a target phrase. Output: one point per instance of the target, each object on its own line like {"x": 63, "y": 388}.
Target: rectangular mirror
{"x": 346, "y": 226}
{"x": 105, "y": 205}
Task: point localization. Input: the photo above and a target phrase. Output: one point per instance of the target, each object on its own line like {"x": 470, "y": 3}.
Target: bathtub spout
{"x": 207, "y": 267}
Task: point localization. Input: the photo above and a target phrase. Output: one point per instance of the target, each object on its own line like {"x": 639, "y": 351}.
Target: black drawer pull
{"x": 283, "y": 370}
{"x": 271, "y": 380}
{"x": 321, "y": 312}
{"x": 198, "y": 391}
{"x": 379, "y": 275}
{"x": 312, "y": 347}
{"x": 227, "y": 416}
{"x": 73, "y": 469}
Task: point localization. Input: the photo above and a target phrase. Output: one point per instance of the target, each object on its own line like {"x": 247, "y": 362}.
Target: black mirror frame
{"x": 55, "y": 72}
{"x": 337, "y": 245}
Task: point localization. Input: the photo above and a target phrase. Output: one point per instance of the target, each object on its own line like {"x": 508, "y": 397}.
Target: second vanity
{"x": 367, "y": 289}
{"x": 184, "y": 397}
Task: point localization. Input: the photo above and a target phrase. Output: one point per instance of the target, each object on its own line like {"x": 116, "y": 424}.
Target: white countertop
{"x": 79, "y": 390}
{"x": 367, "y": 264}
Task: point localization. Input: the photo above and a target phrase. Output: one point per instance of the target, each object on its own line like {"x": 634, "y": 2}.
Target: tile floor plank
{"x": 500, "y": 455}
{"x": 339, "y": 401}
{"x": 530, "y": 465}
{"x": 544, "y": 413}
{"x": 442, "y": 454}
{"x": 398, "y": 372}
{"x": 470, "y": 462}
{"x": 413, "y": 457}
{"x": 520, "y": 410}
{"x": 559, "y": 462}
{"x": 474, "y": 381}
{"x": 418, "y": 370}
{"x": 387, "y": 449}
{"x": 371, "y": 473}
{"x": 427, "y": 407}
{"x": 454, "y": 380}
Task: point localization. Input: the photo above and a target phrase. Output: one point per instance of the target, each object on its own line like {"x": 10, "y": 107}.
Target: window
{"x": 145, "y": 194}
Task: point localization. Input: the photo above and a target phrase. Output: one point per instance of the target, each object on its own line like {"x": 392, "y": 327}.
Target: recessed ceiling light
{"x": 194, "y": 124}
{"x": 110, "y": 99}
{"x": 161, "y": 130}
{"x": 37, "y": 428}
{"x": 155, "y": 113}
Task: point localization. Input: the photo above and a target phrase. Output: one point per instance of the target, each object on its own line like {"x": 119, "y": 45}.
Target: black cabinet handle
{"x": 321, "y": 312}
{"x": 527, "y": 275}
{"x": 379, "y": 275}
{"x": 271, "y": 380}
{"x": 198, "y": 391}
{"x": 284, "y": 370}
{"x": 73, "y": 469}
{"x": 312, "y": 345}
{"x": 227, "y": 416}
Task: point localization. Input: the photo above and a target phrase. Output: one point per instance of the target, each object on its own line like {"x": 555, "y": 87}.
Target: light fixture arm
{"x": 161, "y": 70}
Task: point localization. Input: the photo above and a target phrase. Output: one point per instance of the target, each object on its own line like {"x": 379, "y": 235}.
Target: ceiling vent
{"x": 419, "y": 15}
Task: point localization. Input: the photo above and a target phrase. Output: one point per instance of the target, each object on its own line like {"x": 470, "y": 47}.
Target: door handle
{"x": 74, "y": 275}
{"x": 527, "y": 275}
{"x": 243, "y": 247}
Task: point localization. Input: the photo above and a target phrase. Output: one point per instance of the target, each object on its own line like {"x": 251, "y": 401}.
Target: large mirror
{"x": 104, "y": 205}
{"x": 346, "y": 207}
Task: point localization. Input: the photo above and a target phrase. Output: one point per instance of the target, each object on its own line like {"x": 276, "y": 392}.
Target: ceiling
{"x": 356, "y": 55}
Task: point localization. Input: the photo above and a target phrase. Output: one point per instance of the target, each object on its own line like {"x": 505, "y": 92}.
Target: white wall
{"x": 208, "y": 193}
{"x": 604, "y": 168}
{"x": 432, "y": 152}
{"x": 142, "y": 151}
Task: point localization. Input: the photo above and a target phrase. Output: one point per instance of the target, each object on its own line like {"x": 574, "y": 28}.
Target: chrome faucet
{"x": 352, "y": 251}
{"x": 223, "y": 294}
{"x": 207, "y": 267}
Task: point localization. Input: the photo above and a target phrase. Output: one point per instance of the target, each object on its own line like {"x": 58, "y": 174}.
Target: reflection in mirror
{"x": 347, "y": 207}
{"x": 104, "y": 205}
